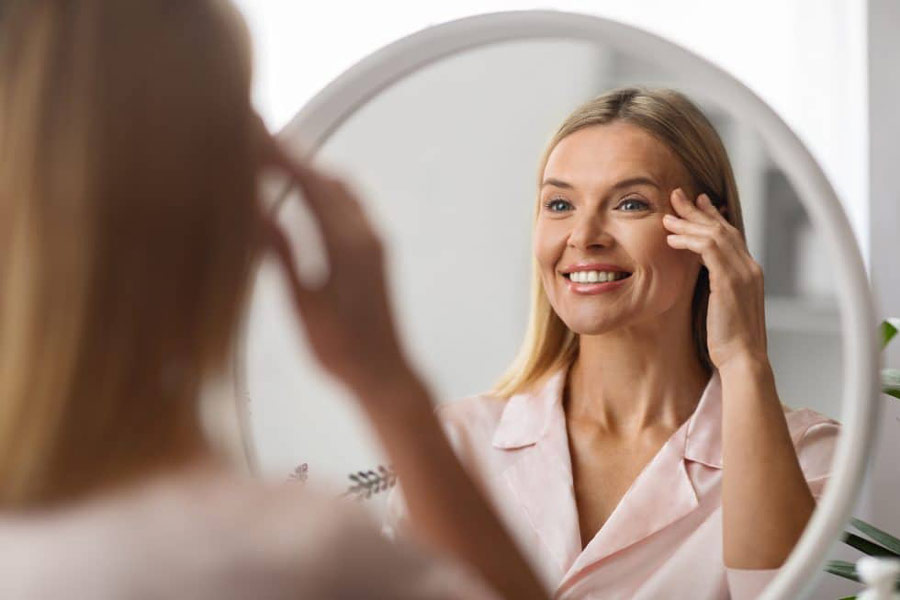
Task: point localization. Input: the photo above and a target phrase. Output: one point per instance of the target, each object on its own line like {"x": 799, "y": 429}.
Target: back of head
{"x": 128, "y": 224}
{"x": 678, "y": 123}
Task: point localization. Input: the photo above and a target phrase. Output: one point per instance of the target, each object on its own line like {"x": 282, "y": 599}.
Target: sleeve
{"x": 815, "y": 449}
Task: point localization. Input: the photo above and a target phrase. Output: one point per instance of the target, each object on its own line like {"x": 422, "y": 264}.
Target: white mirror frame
{"x": 333, "y": 105}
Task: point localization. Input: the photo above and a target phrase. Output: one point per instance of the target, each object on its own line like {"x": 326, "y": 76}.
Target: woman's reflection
{"x": 637, "y": 446}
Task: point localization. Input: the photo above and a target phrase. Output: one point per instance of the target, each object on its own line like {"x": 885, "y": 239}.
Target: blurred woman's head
{"x": 128, "y": 227}
{"x": 603, "y": 185}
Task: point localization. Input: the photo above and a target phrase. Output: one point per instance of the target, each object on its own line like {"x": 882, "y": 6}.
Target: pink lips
{"x": 595, "y": 288}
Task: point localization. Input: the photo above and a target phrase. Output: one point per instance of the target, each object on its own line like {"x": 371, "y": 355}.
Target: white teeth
{"x": 595, "y": 276}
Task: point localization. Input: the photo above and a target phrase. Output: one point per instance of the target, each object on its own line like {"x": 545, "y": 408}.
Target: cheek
{"x": 548, "y": 242}
{"x": 673, "y": 271}
{"x": 666, "y": 269}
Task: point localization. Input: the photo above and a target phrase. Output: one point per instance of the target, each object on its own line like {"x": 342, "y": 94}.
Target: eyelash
{"x": 550, "y": 203}
{"x": 644, "y": 205}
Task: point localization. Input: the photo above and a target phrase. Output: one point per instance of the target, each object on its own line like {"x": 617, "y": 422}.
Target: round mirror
{"x": 442, "y": 134}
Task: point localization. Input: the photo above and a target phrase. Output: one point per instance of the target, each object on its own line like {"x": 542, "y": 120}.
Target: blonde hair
{"x": 674, "y": 120}
{"x": 128, "y": 225}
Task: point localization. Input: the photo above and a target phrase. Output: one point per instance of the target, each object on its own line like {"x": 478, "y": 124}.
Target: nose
{"x": 590, "y": 232}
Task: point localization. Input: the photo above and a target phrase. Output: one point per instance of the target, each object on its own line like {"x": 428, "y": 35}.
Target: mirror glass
{"x": 446, "y": 162}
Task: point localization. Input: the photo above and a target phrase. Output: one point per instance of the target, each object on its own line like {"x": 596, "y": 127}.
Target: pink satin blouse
{"x": 663, "y": 540}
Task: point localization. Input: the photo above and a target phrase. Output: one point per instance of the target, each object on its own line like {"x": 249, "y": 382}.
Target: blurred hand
{"x": 348, "y": 320}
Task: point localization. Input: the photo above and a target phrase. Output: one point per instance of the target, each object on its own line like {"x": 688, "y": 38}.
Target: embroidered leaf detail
{"x": 368, "y": 483}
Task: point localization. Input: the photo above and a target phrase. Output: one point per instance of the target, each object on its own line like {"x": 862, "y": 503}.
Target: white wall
{"x": 884, "y": 155}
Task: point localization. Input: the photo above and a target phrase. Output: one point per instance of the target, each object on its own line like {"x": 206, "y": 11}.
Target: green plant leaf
{"x": 889, "y": 328}
{"x": 883, "y": 538}
{"x": 890, "y": 382}
{"x": 867, "y": 547}
{"x": 848, "y": 598}
{"x": 842, "y": 568}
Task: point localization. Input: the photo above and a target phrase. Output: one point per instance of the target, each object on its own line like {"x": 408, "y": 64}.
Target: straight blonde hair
{"x": 675, "y": 121}
{"x": 128, "y": 226}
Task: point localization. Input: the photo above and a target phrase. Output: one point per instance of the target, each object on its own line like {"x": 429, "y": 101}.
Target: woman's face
{"x": 599, "y": 238}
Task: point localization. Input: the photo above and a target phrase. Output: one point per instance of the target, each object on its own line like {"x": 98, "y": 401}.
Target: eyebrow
{"x": 630, "y": 182}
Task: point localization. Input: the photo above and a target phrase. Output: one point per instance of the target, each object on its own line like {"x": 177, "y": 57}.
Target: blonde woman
{"x": 637, "y": 447}
{"x": 129, "y": 227}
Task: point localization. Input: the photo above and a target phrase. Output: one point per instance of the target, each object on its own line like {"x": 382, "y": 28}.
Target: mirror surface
{"x": 446, "y": 162}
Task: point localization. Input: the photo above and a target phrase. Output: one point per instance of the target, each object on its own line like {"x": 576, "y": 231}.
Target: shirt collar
{"x": 526, "y": 418}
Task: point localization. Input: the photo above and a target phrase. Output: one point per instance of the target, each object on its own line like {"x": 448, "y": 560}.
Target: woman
{"x": 129, "y": 228}
{"x": 637, "y": 447}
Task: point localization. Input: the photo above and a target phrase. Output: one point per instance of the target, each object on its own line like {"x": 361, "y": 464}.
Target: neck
{"x": 634, "y": 378}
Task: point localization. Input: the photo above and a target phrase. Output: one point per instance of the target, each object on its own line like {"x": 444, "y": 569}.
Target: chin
{"x": 591, "y": 324}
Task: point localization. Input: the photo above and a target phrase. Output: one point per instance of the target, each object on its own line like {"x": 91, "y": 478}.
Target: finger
{"x": 731, "y": 233}
{"x": 710, "y": 253}
{"x": 715, "y": 225}
{"x": 345, "y": 225}
{"x": 340, "y": 216}
{"x": 305, "y": 298}
{"x": 719, "y": 256}
{"x": 728, "y": 240}
{"x": 705, "y": 204}
{"x": 686, "y": 209}
{"x": 677, "y": 225}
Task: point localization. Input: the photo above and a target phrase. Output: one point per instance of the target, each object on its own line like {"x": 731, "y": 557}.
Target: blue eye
{"x": 632, "y": 205}
{"x": 557, "y": 205}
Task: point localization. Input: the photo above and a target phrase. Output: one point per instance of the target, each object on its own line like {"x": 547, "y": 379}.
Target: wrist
{"x": 746, "y": 365}
{"x": 397, "y": 388}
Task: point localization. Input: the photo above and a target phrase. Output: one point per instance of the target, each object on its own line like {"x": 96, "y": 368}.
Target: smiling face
{"x": 599, "y": 239}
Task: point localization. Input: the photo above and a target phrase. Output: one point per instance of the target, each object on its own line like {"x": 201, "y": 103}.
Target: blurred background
{"x": 826, "y": 67}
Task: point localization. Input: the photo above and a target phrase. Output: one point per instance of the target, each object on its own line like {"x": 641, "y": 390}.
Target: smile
{"x": 595, "y": 276}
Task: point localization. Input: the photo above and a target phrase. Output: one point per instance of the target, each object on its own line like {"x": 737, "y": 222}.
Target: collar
{"x": 526, "y": 419}
{"x": 526, "y": 416}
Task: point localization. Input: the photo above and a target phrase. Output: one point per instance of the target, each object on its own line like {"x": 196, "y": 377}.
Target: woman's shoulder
{"x": 212, "y": 532}
{"x": 815, "y": 439}
{"x": 803, "y": 422}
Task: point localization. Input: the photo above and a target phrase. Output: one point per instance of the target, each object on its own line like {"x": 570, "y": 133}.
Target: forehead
{"x": 604, "y": 154}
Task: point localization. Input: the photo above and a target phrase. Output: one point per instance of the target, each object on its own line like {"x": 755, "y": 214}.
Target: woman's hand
{"x": 736, "y": 328}
{"x": 348, "y": 320}
{"x": 766, "y": 502}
